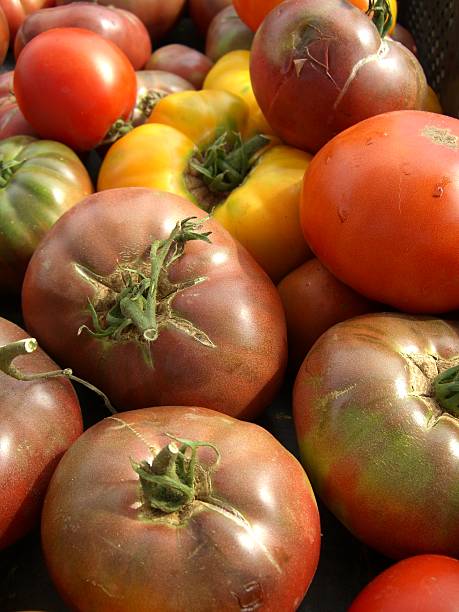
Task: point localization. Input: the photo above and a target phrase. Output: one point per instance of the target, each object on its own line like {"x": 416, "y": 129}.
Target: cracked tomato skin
{"x": 39, "y": 420}
{"x": 320, "y": 66}
{"x": 375, "y": 442}
{"x": 102, "y": 549}
{"x": 428, "y": 583}
{"x": 236, "y": 305}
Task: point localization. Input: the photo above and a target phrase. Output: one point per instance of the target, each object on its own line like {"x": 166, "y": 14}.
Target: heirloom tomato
{"x": 173, "y": 508}
{"x": 39, "y": 420}
{"x": 380, "y": 209}
{"x": 16, "y": 11}
{"x": 39, "y": 181}
{"x": 72, "y": 85}
{"x": 252, "y": 189}
{"x": 187, "y": 62}
{"x": 376, "y": 411}
{"x": 425, "y": 583}
{"x": 203, "y": 11}
{"x": 320, "y": 66}
{"x": 147, "y": 306}
{"x": 227, "y": 33}
{"x": 4, "y": 36}
{"x": 12, "y": 121}
{"x": 121, "y": 27}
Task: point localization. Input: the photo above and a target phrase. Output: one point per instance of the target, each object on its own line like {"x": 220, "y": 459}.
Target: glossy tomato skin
{"x": 72, "y": 85}
{"x": 16, "y": 11}
{"x": 428, "y": 583}
{"x": 314, "y": 300}
{"x": 12, "y": 121}
{"x": 102, "y": 550}
{"x": 39, "y": 421}
{"x": 237, "y": 306}
{"x": 203, "y": 11}
{"x": 379, "y": 209}
{"x": 122, "y": 27}
{"x": 252, "y": 12}
{"x": 184, "y": 61}
{"x": 378, "y": 447}
{"x": 4, "y": 36}
{"x": 320, "y": 66}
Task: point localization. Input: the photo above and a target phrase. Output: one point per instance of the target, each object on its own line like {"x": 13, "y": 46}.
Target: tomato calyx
{"x": 9, "y": 352}
{"x": 8, "y": 167}
{"x": 221, "y": 167}
{"x": 175, "y": 478}
{"x": 446, "y": 388}
{"x": 135, "y": 301}
{"x": 145, "y": 105}
{"x": 381, "y": 15}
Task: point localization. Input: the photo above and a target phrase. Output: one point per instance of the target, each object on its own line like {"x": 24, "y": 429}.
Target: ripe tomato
{"x": 182, "y": 60}
{"x": 203, "y": 11}
{"x": 39, "y": 420}
{"x": 241, "y": 533}
{"x": 211, "y": 333}
{"x": 380, "y": 208}
{"x": 72, "y": 85}
{"x": 12, "y": 121}
{"x": 426, "y": 583}
{"x": 16, "y": 11}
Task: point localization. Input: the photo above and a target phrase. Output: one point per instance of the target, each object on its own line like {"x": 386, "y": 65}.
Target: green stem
{"x": 446, "y": 388}
{"x": 7, "y": 170}
{"x": 119, "y": 128}
{"x": 10, "y": 351}
{"x": 381, "y": 14}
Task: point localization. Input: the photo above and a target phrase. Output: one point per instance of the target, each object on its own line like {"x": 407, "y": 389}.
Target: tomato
{"x": 12, "y": 121}
{"x": 234, "y": 537}
{"x": 16, "y": 11}
{"x": 405, "y": 37}
{"x": 40, "y": 180}
{"x": 203, "y": 11}
{"x": 72, "y": 85}
{"x": 122, "y": 27}
{"x": 227, "y": 33}
{"x": 380, "y": 206}
{"x": 4, "y": 36}
{"x": 258, "y": 203}
{"x": 314, "y": 300}
{"x": 188, "y": 63}
{"x": 158, "y": 15}
{"x": 427, "y": 583}
{"x": 39, "y": 420}
{"x": 212, "y": 332}
{"x": 320, "y": 66}
{"x": 377, "y": 420}
{"x": 363, "y": 5}
{"x": 432, "y": 102}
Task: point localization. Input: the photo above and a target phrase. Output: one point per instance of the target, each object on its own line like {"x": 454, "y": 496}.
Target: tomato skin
{"x": 49, "y": 180}
{"x": 39, "y": 421}
{"x": 203, "y": 11}
{"x": 72, "y": 85}
{"x": 378, "y": 447}
{"x": 227, "y": 33}
{"x": 427, "y": 583}
{"x": 4, "y": 36}
{"x": 122, "y": 27}
{"x": 320, "y": 66}
{"x": 95, "y": 534}
{"x": 252, "y": 12}
{"x": 12, "y": 121}
{"x": 16, "y": 11}
{"x": 314, "y": 300}
{"x": 369, "y": 226}
{"x": 184, "y": 61}
{"x": 236, "y": 305}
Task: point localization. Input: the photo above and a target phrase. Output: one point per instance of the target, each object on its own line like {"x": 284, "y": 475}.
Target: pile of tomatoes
{"x": 195, "y": 232}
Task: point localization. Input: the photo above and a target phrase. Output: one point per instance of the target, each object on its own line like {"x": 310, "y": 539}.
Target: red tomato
{"x": 380, "y": 207}
{"x": 426, "y": 583}
{"x": 242, "y": 533}
{"x": 39, "y": 420}
{"x": 12, "y": 121}
{"x": 4, "y": 36}
{"x": 252, "y": 12}
{"x": 16, "y": 11}
{"x": 213, "y": 332}
{"x": 72, "y": 85}
{"x": 314, "y": 300}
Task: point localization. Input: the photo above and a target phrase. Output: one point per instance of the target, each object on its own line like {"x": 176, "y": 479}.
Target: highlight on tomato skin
{"x": 428, "y": 583}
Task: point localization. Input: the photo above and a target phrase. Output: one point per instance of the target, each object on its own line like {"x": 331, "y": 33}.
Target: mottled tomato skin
{"x": 380, "y": 205}
{"x": 122, "y": 27}
{"x": 313, "y": 301}
{"x": 102, "y": 552}
{"x": 12, "y": 121}
{"x": 377, "y": 446}
{"x": 237, "y": 306}
{"x": 320, "y": 66}
{"x": 227, "y": 33}
{"x": 203, "y": 11}
{"x": 428, "y": 583}
{"x": 184, "y": 61}
{"x": 38, "y": 422}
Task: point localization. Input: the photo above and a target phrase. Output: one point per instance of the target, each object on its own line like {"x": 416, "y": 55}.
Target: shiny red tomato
{"x": 426, "y": 583}
{"x": 238, "y": 530}
{"x": 252, "y": 12}
{"x": 72, "y": 85}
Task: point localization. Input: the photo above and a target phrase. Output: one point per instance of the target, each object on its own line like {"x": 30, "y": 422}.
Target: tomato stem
{"x": 446, "y": 388}
{"x": 175, "y": 477}
{"x": 381, "y": 14}
{"x": 10, "y": 351}
{"x": 8, "y": 169}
